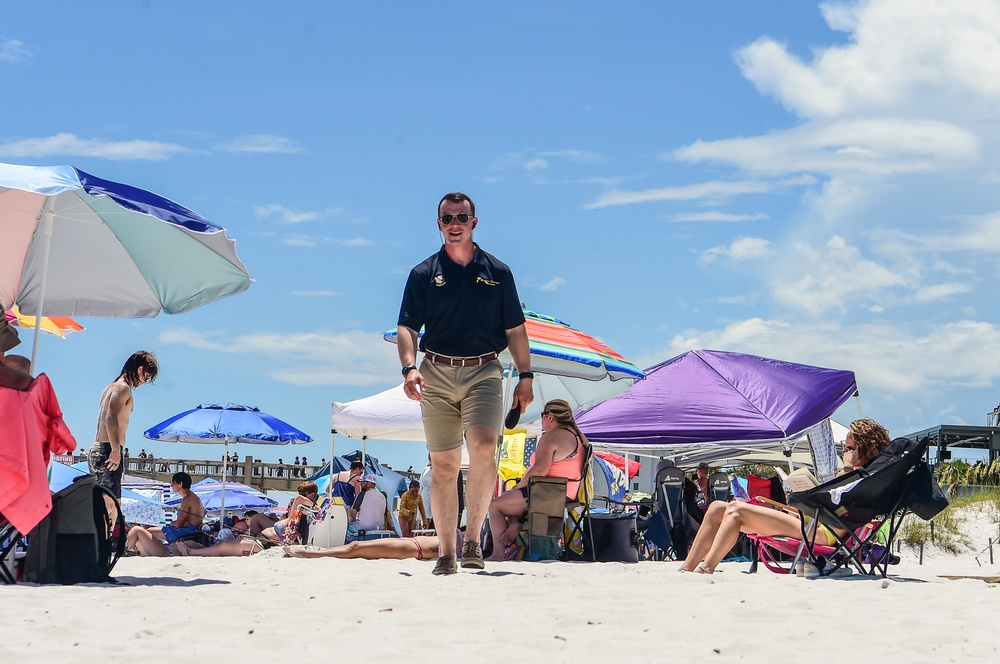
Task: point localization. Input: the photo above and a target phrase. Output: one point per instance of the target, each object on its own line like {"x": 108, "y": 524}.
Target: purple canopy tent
{"x": 706, "y": 397}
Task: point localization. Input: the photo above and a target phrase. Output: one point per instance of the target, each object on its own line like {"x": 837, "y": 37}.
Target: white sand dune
{"x": 266, "y": 607}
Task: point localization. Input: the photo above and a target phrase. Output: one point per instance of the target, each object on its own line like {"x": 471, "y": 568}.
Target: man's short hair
{"x": 19, "y": 362}
{"x": 704, "y": 466}
{"x": 181, "y": 478}
{"x": 457, "y": 197}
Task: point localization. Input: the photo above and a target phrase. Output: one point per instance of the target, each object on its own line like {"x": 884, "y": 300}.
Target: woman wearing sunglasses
{"x": 724, "y": 522}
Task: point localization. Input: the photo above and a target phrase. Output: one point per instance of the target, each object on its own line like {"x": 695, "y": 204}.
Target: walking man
{"x": 467, "y": 303}
{"x": 105, "y": 457}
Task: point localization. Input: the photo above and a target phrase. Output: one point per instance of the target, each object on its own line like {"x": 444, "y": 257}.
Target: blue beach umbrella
{"x": 78, "y": 245}
{"x": 229, "y": 423}
{"x": 235, "y": 496}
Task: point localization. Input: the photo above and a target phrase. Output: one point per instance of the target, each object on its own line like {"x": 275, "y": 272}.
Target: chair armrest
{"x": 773, "y": 504}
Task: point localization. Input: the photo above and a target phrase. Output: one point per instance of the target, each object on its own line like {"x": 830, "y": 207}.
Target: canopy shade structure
{"x": 710, "y": 397}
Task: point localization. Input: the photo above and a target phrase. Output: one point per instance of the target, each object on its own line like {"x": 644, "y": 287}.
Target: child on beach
{"x": 411, "y": 503}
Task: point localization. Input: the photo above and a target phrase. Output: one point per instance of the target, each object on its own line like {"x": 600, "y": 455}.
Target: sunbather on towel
{"x": 724, "y": 522}
{"x": 391, "y": 548}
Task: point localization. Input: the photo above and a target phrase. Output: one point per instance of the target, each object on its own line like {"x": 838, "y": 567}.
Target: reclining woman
{"x": 561, "y": 452}
{"x": 724, "y": 522}
{"x": 392, "y": 548}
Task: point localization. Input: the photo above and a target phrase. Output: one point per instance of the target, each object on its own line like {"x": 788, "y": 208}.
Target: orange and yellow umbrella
{"x": 60, "y": 325}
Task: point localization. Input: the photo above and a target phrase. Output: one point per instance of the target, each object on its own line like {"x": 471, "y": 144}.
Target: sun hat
{"x": 8, "y": 335}
{"x": 368, "y": 477}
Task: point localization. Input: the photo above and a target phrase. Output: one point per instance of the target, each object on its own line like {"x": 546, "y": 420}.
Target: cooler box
{"x": 614, "y": 538}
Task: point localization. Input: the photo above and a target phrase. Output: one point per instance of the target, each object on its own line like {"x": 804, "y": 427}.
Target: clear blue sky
{"x": 811, "y": 182}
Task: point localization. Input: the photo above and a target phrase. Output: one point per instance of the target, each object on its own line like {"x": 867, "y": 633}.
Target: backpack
{"x": 78, "y": 541}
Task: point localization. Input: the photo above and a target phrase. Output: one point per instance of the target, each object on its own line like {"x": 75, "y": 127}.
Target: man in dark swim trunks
{"x": 105, "y": 457}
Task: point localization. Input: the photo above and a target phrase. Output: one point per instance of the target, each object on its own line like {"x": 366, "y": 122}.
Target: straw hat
{"x": 8, "y": 335}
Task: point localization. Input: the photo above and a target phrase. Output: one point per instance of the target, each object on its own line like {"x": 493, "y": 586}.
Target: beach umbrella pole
{"x": 225, "y": 462}
{"x": 47, "y": 213}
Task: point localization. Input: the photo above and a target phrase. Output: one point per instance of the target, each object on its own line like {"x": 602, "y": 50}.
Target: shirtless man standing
{"x": 105, "y": 457}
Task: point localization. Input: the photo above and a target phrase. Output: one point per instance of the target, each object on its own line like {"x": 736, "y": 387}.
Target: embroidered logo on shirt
{"x": 488, "y": 282}
{"x": 439, "y": 281}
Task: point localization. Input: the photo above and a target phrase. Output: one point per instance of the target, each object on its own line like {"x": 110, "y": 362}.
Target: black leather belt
{"x": 477, "y": 361}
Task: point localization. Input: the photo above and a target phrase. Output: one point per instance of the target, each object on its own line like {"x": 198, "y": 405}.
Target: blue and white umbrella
{"x": 77, "y": 245}
{"x": 233, "y": 495}
{"x": 229, "y": 423}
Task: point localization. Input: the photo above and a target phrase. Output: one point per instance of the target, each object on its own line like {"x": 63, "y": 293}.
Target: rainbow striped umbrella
{"x": 560, "y": 350}
{"x": 58, "y": 325}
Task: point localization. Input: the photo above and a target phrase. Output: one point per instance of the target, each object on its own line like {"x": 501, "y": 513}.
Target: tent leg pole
{"x": 329, "y": 484}
{"x": 225, "y": 462}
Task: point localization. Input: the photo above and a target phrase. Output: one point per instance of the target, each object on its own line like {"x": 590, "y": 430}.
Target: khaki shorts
{"x": 456, "y": 398}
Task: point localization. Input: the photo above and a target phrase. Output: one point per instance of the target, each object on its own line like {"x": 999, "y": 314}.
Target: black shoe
{"x": 445, "y": 565}
{"x": 472, "y": 556}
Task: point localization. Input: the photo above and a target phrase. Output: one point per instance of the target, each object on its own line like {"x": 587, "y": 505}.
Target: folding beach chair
{"x": 12, "y": 550}
{"x": 719, "y": 488}
{"x": 578, "y": 532}
{"x": 667, "y": 529}
{"x": 862, "y": 502}
{"x": 546, "y": 515}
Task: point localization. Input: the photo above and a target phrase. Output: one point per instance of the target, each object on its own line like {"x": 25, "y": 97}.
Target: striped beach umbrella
{"x": 561, "y": 350}
{"x": 58, "y": 325}
{"x": 77, "y": 245}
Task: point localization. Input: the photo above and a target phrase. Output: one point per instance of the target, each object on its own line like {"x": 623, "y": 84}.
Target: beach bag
{"x": 79, "y": 541}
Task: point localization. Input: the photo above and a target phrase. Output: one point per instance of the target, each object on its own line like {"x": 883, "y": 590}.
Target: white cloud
{"x": 13, "y": 51}
{"x": 923, "y": 56}
{"x": 714, "y": 191}
{"x": 285, "y": 215}
{"x": 65, "y": 144}
{"x": 743, "y": 248}
{"x": 932, "y": 293}
{"x": 578, "y": 156}
{"x": 533, "y": 159}
{"x": 298, "y": 241}
{"x": 818, "y": 280}
{"x": 317, "y": 358}
{"x": 261, "y": 143}
{"x": 866, "y": 145}
{"x": 353, "y": 242}
{"x": 717, "y": 215}
{"x": 553, "y": 284}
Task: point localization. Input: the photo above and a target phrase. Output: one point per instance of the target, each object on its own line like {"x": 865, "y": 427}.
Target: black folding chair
{"x": 882, "y": 491}
{"x": 667, "y": 529}
{"x": 719, "y": 488}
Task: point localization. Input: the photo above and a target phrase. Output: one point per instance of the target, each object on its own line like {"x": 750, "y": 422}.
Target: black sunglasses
{"x": 461, "y": 218}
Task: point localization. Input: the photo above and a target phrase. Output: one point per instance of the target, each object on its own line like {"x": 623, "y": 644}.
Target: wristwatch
{"x": 408, "y": 368}
{"x": 525, "y": 374}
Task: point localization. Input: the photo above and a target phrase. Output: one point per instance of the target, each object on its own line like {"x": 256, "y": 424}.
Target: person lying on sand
{"x": 392, "y": 548}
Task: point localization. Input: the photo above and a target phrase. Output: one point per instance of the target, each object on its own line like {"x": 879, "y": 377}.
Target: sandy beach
{"x": 267, "y": 606}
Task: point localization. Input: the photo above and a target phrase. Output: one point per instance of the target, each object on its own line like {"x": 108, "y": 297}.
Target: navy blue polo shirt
{"x": 465, "y": 310}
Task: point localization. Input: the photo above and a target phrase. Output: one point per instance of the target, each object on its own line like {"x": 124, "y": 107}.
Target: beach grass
{"x": 948, "y": 532}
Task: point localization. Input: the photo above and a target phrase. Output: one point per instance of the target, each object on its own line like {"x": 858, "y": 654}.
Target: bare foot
{"x": 181, "y": 548}
{"x": 701, "y": 569}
